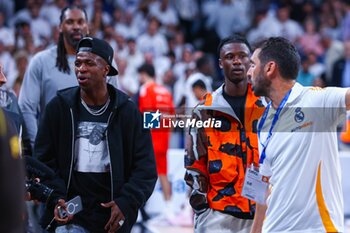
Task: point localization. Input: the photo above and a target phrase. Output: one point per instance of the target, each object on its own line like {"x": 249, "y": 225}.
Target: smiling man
{"x": 216, "y": 158}
{"x": 92, "y": 137}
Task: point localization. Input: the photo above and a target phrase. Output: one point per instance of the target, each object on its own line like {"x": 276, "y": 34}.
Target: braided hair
{"x": 61, "y": 60}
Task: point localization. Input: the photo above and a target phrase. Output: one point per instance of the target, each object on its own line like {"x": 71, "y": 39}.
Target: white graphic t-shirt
{"x": 91, "y": 148}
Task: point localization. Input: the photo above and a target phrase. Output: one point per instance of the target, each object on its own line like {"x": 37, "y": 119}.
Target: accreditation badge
{"x": 255, "y": 185}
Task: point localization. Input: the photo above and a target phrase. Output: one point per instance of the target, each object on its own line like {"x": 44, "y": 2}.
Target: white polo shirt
{"x": 302, "y": 161}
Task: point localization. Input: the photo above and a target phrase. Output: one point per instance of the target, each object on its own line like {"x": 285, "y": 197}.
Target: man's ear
{"x": 220, "y": 63}
{"x": 107, "y": 69}
{"x": 270, "y": 68}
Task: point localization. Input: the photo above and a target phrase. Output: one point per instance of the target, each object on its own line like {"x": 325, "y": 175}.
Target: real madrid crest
{"x": 299, "y": 115}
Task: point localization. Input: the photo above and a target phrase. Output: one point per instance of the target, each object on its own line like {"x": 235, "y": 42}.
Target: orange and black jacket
{"x": 216, "y": 158}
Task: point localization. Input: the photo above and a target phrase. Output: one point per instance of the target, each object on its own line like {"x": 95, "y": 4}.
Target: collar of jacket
{"x": 217, "y": 102}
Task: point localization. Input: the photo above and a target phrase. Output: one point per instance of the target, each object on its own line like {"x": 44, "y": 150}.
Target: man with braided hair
{"x": 53, "y": 69}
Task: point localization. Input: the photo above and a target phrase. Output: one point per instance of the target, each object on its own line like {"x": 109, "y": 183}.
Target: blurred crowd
{"x": 178, "y": 37}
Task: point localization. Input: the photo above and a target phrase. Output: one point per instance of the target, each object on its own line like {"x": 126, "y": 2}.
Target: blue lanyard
{"x": 274, "y": 121}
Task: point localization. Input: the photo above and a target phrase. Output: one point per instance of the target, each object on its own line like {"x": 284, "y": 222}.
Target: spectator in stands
{"x": 183, "y": 61}
{"x": 199, "y": 89}
{"x": 8, "y": 63}
{"x": 310, "y": 41}
{"x": 265, "y": 25}
{"x": 9, "y": 104}
{"x": 134, "y": 57}
{"x": 129, "y": 83}
{"x": 288, "y": 28}
{"x": 304, "y": 77}
{"x": 165, "y": 13}
{"x": 216, "y": 158}
{"x": 234, "y": 17}
{"x": 346, "y": 21}
{"x": 21, "y": 58}
{"x": 7, "y": 35}
{"x": 153, "y": 40}
{"x": 52, "y": 69}
{"x": 51, "y": 11}
{"x": 188, "y": 12}
{"x": 334, "y": 50}
{"x": 40, "y": 28}
{"x": 204, "y": 71}
{"x": 341, "y": 68}
{"x": 24, "y": 39}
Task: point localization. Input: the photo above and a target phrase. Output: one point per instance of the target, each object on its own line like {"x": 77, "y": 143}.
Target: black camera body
{"x": 36, "y": 171}
{"x": 38, "y": 191}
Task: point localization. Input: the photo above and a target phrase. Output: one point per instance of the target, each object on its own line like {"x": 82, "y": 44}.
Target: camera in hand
{"x": 38, "y": 191}
{"x": 36, "y": 169}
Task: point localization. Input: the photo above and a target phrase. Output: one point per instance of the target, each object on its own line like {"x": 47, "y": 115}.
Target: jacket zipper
{"x": 72, "y": 157}
{"x": 109, "y": 155}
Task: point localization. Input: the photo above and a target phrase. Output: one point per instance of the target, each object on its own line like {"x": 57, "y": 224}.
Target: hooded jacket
{"x": 133, "y": 169}
{"x": 217, "y": 157}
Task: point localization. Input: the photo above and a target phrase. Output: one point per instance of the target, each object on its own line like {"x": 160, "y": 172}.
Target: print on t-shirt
{"x": 91, "y": 147}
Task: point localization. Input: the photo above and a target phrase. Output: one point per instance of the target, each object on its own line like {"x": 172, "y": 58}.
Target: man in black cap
{"x": 92, "y": 136}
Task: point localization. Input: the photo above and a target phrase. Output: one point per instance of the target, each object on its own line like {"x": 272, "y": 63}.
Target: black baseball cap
{"x": 100, "y": 48}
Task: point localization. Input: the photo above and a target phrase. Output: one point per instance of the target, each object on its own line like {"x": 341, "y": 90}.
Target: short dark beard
{"x": 264, "y": 86}
{"x": 71, "y": 41}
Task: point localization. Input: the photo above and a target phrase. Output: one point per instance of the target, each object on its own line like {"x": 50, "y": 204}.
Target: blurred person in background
{"x": 156, "y": 98}
{"x": 345, "y": 24}
{"x": 11, "y": 178}
{"x": 20, "y": 145}
{"x": 334, "y": 50}
{"x": 21, "y": 58}
{"x": 199, "y": 90}
{"x": 153, "y": 40}
{"x": 9, "y": 104}
{"x": 204, "y": 71}
{"x": 8, "y": 63}
{"x": 288, "y": 28}
{"x": 341, "y": 68}
{"x": 7, "y": 35}
{"x": 305, "y": 77}
{"x": 52, "y": 69}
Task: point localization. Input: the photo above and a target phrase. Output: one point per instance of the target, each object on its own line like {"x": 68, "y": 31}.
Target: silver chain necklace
{"x": 97, "y": 112}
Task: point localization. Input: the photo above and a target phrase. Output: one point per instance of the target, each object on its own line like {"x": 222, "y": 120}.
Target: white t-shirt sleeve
{"x": 334, "y": 104}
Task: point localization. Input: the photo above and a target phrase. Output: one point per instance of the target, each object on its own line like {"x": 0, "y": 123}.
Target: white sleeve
{"x": 334, "y": 104}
